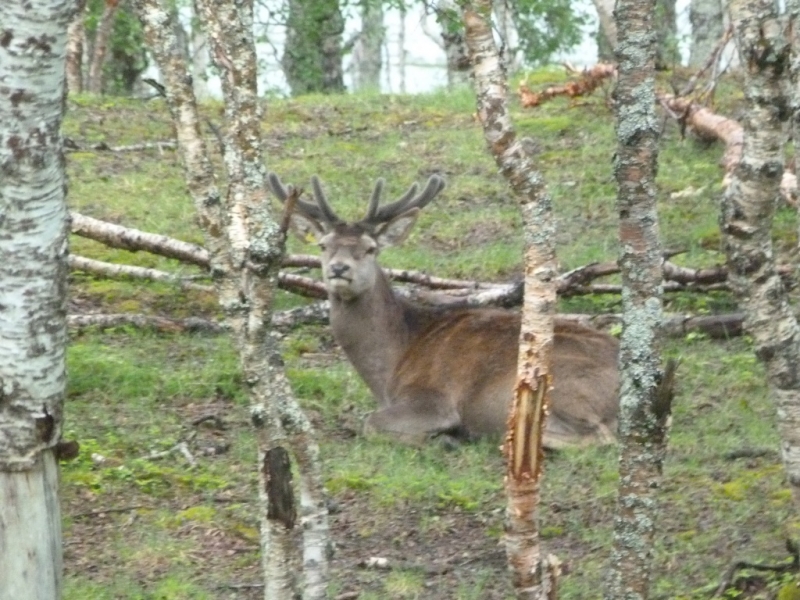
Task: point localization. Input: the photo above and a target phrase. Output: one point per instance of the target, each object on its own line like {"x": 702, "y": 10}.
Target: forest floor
{"x": 141, "y": 523}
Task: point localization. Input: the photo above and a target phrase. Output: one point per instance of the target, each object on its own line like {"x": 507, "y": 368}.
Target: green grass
{"x": 176, "y": 531}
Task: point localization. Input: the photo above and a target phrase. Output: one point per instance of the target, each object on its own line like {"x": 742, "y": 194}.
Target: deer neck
{"x": 372, "y": 330}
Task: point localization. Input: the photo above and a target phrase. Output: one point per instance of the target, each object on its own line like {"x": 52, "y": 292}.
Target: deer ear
{"x": 396, "y": 231}
{"x": 306, "y": 228}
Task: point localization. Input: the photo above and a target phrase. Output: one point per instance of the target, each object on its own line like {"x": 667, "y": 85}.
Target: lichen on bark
{"x": 642, "y": 423}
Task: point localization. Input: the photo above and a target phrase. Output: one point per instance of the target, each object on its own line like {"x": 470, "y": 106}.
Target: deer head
{"x": 349, "y": 250}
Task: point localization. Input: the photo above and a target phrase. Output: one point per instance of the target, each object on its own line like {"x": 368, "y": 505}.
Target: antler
{"x": 380, "y": 214}
{"x": 321, "y": 211}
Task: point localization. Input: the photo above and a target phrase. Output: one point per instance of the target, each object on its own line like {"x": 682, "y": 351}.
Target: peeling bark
{"x": 534, "y": 575}
{"x": 246, "y": 246}
{"x": 33, "y": 245}
{"x": 644, "y": 403}
{"x": 748, "y": 207}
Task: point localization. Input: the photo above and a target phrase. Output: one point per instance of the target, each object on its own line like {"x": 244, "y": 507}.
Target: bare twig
{"x": 180, "y": 448}
{"x": 108, "y": 321}
{"x": 288, "y": 209}
{"x": 121, "y": 509}
{"x": 71, "y": 145}
{"x": 786, "y": 567}
{"x": 712, "y": 60}
{"x": 105, "y": 269}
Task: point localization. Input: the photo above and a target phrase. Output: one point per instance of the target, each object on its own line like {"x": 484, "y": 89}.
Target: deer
{"x": 442, "y": 370}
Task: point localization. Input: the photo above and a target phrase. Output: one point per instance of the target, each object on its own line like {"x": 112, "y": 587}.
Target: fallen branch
{"x": 166, "y": 324}
{"x": 71, "y": 145}
{"x": 588, "y": 81}
{"x": 107, "y": 511}
{"x": 281, "y": 321}
{"x": 117, "y": 236}
{"x": 793, "y": 565}
{"x": 708, "y": 125}
{"x": 112, "y": 270}
{"x": 460, "y": 291}
{"x": 181, "y": 448}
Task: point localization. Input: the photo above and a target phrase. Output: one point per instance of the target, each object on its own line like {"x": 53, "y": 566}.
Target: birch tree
{"x": 102, "y": 37}
{"x": 33, "y": 269}
{"x": 245, "y": 248}
{"x": 534, "y": 576}
{"x": 312, "y": 55}
{"x": 645, "y": 391}
{"x": 706, "y": 17}
{"x": 368, "y": 47}
{"x": 748, "y": 208}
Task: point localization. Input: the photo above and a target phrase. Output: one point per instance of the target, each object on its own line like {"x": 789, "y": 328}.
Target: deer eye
{"x": 322, "y": 246}
{"x": 371, "y": 250}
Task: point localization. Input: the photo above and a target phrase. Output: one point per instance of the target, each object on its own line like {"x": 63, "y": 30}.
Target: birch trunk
{"x": 312, "y": 57}
{"x": 33, "y": 247}
{"x": 666, "y": 27}
{"x": 706, "y": 17}
{"x": 367, "y": 52}
{"x": 534, "y": 576}
{"x": 245, "y": 247}
{"x": 102, "y": 36}
{"x": 75, "y": 37}
{"x": 454, "y": 44}
{"x": 606, "y": 29}
{"x": 793, "y": 31}
{"x": 748, "y": 207}
{"x": 645, "y": 393}
{"x": 199, "y": 58}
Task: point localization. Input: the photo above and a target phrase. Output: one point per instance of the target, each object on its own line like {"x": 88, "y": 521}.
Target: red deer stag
{"x": 437, "y": 371}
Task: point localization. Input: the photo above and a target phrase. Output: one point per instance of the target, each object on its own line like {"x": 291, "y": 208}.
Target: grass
{"x": 137, "y": 527}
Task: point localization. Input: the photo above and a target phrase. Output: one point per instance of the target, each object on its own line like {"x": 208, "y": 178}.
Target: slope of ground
{"x": 142, "y": 523}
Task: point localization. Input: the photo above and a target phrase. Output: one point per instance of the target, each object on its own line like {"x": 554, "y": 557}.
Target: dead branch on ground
{"x": 790, "y": 566}
{"x": 587, "y": 82}
{"x": 117, "y": 236}
{"x": 71, "y": 145}
{"x": 113, "y": 271}
{"x": 286, "y": 320}
{"x": 707, "y": 124}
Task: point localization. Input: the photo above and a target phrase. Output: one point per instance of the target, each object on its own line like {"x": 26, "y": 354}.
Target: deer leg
{"x": 416, "y": 419}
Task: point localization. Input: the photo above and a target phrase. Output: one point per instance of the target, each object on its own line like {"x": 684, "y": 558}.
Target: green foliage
{"x": 547, "y": 27}
{"x": 127, "y": 54}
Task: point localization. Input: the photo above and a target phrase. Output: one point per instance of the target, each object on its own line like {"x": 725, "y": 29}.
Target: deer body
{"x": 445, "y": 370}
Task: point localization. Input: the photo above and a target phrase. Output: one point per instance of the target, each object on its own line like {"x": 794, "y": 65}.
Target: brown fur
{"x": 445, "y": 371}
{"x": 458, "y": 371}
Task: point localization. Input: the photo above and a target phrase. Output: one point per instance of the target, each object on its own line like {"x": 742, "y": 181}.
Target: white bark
{"x": 33, "y": 247}
{"x": 706, "y": 17}
{"x": 455, "y": 47}
{"x": 245, "y": 245}
{"x": 534, "y": 575}
{"x": 606, "y": 23}
{"x": 200, "y": 60}
{"x": 509, "y": 35}
{"x": 748, "y": 208}
{"x": 367, "y": 51}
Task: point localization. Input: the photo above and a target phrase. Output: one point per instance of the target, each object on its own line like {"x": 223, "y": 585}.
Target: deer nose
{"x": 339, "y": 269}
